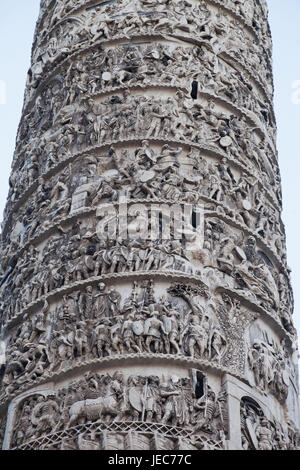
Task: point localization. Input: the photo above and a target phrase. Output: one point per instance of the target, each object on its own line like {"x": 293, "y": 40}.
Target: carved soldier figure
{"x": 197, "y": 335}
{"x": 169, "y": 393}
{"x": 143, "y": 101}
{"x": 128, "y": 334}
{"x": 205, "y": 410}
{"x": 264, "y": 435}
{"x": 218, "y": 343}
{"x": 151, "y": 409}
{"x": 172, "y": 327}
{"x": 44, "y": 415}
{"x": 136, "y": 399}
{"x": 80, "y": 340}
{"x": 145, "y": 155}
{"x": 62, "y": 346}
{"x": 102, "y": 307}
{"x": 153, "y": 332}
{"x": 101, "y": 339}
{"x": 113, "y": 300}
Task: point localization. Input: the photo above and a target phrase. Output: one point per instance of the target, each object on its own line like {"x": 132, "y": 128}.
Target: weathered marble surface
{"x": 133, "y": 342}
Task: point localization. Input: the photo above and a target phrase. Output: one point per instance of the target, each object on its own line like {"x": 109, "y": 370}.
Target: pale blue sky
{"x": 17, "y": 22}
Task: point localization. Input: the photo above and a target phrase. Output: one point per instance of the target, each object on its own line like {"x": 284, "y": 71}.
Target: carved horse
{"x": 92, "y": 410}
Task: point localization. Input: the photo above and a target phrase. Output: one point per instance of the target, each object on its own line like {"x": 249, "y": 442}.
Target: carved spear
{"x": 145, "y": 400}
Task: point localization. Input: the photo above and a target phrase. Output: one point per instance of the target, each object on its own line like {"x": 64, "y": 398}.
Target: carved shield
{"x": 286, "y": 378}
{"x": 168, "y": 325}
{"x": 240, "y": 253}
{"x": 110, "y": 174}
{"x": 89, "y": 263}
{"x": 142, "y": 254}
{"x": 70, "y": 337}
{"x": 138, "y": 328}
{"x": 251, "y": 432}
{"x": 226, "y": 141}
{"x": 146, "y": 176}
{"x": 106, "y": 76}
{"x": 247, "y": 205}
{"x": 135, "y": 399}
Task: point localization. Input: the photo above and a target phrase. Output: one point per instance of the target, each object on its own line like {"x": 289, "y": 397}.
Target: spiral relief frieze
{"x": 145, "y": 296}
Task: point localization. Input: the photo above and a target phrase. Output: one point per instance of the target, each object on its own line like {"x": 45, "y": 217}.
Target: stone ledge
{"x": 247, "y": 25}
{"x": 99, "y": 364}
{"x": 118, "y": 40}
{"x": 46, "y": 232}
{"x": 123, "y": 427}
{"x": 171, "y": 276}
{"x": 214, "y": 150}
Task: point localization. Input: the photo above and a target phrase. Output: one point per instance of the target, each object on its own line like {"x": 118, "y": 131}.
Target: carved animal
{"x": 94, "y": 409}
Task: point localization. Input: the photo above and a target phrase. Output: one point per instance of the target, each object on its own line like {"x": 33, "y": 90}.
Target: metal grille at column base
{"x": 145, "y": 295}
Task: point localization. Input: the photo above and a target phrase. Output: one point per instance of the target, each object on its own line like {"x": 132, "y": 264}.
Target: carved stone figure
{"x": 142, "y": 235}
